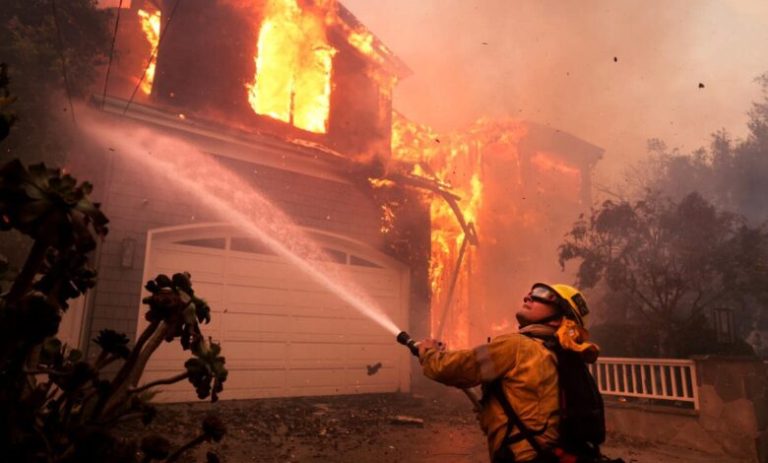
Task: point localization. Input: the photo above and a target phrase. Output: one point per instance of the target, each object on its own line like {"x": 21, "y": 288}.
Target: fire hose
{"x": 406, "y": 340}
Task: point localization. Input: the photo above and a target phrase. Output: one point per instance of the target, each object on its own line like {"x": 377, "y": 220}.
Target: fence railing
{"x": 670, "y": 381}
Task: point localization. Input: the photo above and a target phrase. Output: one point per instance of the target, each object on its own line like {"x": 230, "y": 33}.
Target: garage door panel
{"x": 379, "y": 337}
{"x": 255, "y": 350}
{"x": 325, "y": 325}
{"x": 383, "y": 376}
{"x": 268, "y": 274}
{"x": 288, "y": 310}
{"x": 257, "y": 308}
{"x": 376, "y": 284}
{"x": 209, "y": 291}
{"x": 271, "y": 282}
{"x": 364, "y": 325}
{"x": 317, "y": 391}
{"x": 257, "y": 269}
{"x": 299, "y": 377}
{"x": 239, "y": 294}
{"x": 372, "y": 353}
{"x": 199, "y": 279}
{"x": 385, "y": 306}
{"x": 283, "y": 334}
{"x": 323, "y": 364}
{"x": 252, "y": 379}
{"x": 315, "y": 351}
{"x": 306, "y": 308}
{"x": 238, "y": 366}
{"x": 252, "y": 323}
{"x": 317, "y": 338}
{"x": 192, "y": 262}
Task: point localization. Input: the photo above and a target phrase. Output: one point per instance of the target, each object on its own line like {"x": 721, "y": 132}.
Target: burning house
{"x": 294, "y": 97}
{"x": 506, "y": 191}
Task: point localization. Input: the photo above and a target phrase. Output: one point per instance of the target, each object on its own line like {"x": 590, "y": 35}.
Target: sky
{"x": 613, "y": 72}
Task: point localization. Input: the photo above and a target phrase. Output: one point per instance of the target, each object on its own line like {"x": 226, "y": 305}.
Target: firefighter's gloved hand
{"x": 429, "y": 343}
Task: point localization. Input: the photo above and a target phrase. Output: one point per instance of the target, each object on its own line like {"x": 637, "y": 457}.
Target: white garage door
{"x": 282, "y": 334}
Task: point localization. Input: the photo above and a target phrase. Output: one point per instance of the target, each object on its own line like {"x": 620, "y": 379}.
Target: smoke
{"x": 612, "y": 73}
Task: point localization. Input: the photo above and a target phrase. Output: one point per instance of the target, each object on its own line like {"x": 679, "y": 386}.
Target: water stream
{"x": 226, "y": 194}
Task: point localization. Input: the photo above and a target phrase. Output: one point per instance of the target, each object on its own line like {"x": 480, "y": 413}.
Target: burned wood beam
{"x": 441, "y": 189}
{"x": 452, "y": 287}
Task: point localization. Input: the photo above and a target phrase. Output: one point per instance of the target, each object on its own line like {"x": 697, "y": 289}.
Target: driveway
{"x": 402, "y": 428}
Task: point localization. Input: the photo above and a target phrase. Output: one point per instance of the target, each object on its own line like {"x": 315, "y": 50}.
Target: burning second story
{"x": 302, "y": 70}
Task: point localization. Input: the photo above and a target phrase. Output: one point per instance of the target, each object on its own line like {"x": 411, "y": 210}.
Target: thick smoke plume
{"x": 612, "y": 73}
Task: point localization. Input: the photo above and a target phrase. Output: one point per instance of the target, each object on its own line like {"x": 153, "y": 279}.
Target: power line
{"x": 63, "y": 61}
{"x": 163, "y": 34}
{"x": 111, "y": 53}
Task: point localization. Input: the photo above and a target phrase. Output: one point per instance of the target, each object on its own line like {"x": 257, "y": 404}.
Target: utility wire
{"x": 111, "y": 54}
{"x": 163, "y": 34}
{"x": 63, "y": 61}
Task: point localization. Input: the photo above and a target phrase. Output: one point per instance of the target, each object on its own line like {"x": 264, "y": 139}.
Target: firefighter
{"x": 523, "y": 369}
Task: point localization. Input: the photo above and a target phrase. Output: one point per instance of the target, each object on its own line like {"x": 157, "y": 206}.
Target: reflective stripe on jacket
{"x": 528, "y": 372}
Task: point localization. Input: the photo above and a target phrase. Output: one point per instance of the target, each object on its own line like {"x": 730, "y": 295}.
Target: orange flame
{"x": 380, "y": 182}
{"x": 545, "y": 162}
{"x": 365, "y": 43}
{"x": 150, "y": 24}
{"x": 387, "y": 217}
{"x": 293, "y": 67}
{"x": 454, "y": 161}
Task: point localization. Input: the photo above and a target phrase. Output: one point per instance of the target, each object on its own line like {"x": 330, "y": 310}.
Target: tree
{"x": 670, "y": 263}
{"x": 39, "y": 40}
{"x": 729, "y": 173}
{"x": 42, "y": 41}
{"x": 54, "y": 405}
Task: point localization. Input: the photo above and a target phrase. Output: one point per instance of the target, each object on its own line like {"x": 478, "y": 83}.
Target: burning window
{"x": 150, "y": 24}
{"x": 293, "y": 67}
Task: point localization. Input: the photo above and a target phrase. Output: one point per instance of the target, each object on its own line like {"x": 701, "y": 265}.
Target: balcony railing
{"x": 665, "y": 381}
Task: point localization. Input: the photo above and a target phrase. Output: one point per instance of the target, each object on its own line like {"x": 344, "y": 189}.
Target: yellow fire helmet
{"x": 569, "y": 299}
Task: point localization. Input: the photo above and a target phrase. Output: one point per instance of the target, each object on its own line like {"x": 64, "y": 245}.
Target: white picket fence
{"x": 672, "y": 381}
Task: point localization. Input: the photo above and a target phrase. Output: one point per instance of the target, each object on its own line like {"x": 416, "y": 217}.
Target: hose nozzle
{"x": 406, "y": 340}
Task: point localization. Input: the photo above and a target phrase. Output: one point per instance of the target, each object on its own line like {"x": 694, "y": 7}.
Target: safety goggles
{"x": 543, "y": 295}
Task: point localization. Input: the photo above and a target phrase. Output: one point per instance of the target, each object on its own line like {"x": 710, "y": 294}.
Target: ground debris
{"x": 408, "y": 420}
{"x": 331, "y": 429}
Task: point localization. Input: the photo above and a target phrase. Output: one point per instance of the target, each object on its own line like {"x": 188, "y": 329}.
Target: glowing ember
{"x": 380, "y": 182}
{"x": 150, "y": 24}
{"x": 387, "y": 217}
{"x": 363, "y": 41}
{"x": 293, "y": 67}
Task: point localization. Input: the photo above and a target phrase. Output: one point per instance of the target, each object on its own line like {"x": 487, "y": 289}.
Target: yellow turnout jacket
{"x": 528, "y": 372}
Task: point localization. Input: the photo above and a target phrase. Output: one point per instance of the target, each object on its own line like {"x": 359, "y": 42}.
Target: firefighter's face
{"x": 533, "y": 310}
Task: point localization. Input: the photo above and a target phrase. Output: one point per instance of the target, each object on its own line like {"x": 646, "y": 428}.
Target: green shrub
{"x": 56, "y": 406}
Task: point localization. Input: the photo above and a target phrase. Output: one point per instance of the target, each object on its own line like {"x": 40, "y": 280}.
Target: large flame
{"x": 503, "y": 189}
{"x": 293, "y": 66}
{"x": 454, "y": 161}
{"x": 150, "y": 24}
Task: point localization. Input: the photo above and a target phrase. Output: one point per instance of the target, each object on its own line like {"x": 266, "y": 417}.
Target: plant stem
{"x": 171, "y": 380}
{"x": 27, "y": 275}
{"x": 131, "y": 375}
{"x": 125, "y": 371}
{"x": 103, "y": 364}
